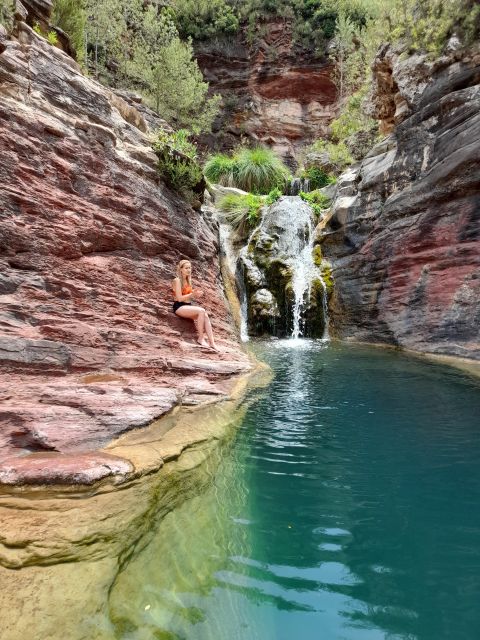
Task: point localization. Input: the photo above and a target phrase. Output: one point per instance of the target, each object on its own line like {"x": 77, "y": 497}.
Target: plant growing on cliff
{"x": 256, "y": 170}
{"x": 273, "y": 196}
{"x": 7, "y": 11}
{"x": 177, "y": 161}
{"x": 317, "y": 200}
{"x": 260, "y": 170}
{"x": 205, "y": 19}
{"x": 70, "y": 16}
{"x": 242, "y": 211}
{"x": 317, "y": 177}
{"x": 221, "y": 169}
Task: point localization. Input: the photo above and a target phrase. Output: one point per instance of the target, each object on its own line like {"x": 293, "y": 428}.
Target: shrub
{"x": 338, "y": 153}
{"x": 273, "y": 196}
{"x": 52, "y": 38}
{"x": 242, "y": 211}
{"x": 177, "y": 140}
{"x": 7, "y": 10}
{"x": 256, "y": 170}
{"x": 71, "y": 17}
{"x": 259, "y": 170}
{"x": 205, "y": 19}
{"x": 221, "y": 169}
{"x": 177, "y": 162}
{"x": 317, "y": 200}
{"x": 352, "y": 119}
{"x": 317, "y": 177}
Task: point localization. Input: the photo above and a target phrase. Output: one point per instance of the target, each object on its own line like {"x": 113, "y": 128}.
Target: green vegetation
{"x": 317, "y": 177}
{"x": 203, "y": 19}
{"x": 260, "y": 170}
{"x": 317, "y": 255}
{"x": 221, "y": 169}
{"x": 70, "y": 16}
{"x": 52, "y": 38}
{"x": 136, "y": 45}
{"x": 242, "y": 211}
{"x": 327, "y": 277}
{"x": 256, "y": 170}
{"x": 313, "y": 22}
{"x": 317, "y": 200}
{"x": 7, "y": 9}
{"x": 338, "y": 154}
{"x": 273, "y": 196}
{"x": 178, "y": 163}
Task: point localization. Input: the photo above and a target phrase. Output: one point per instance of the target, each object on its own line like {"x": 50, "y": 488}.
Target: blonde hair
{"x": 180, "y": 266}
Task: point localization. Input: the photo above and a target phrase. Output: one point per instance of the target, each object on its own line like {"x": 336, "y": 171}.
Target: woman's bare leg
{"x": 209, "y": 332}
{"x": 197, "y": 314}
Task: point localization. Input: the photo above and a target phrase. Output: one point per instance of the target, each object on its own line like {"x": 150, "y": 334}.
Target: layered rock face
{"x": 271, "y": 93}
{"x": 404, "y": 234}
{"x": 89, "y": 241}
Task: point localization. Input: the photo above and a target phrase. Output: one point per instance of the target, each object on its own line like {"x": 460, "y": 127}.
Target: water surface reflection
{"x": 347, "y": 508}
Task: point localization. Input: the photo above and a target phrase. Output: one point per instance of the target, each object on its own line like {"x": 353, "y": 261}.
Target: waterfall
{"x": 236, "y": 271}
{"x": 298, "y": 184}
{"x": 279, "y": 287}
{"x": 299, "y": 238}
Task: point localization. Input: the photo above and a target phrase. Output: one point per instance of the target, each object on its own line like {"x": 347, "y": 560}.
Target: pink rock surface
{"x": 58, "y": 468}
{"x": 89, "y": 241}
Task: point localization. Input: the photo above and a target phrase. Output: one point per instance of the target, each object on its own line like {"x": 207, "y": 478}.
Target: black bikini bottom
{"x": 177, "y": 305}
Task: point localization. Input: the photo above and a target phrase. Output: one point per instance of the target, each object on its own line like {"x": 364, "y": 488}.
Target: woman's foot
{"x": 203, "y": 343}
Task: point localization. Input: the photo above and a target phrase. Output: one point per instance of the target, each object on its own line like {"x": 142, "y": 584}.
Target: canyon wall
{"x": 89, "y": 241}
{"x": 404, "y": 232}
{"x": 271, "y": 93}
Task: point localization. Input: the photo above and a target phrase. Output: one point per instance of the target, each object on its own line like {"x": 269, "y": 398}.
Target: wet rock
{"x": 269, "y": 265}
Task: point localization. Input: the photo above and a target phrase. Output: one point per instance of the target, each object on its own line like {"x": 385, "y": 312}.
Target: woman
{"x": 183, "y": 294}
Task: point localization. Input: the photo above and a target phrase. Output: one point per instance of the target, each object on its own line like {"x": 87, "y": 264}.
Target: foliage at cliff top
{"x": 7, "y": 9}
{"x": 257, "y": 170}
{"x": 203, "y": 19}
{"x": 135, "y": 45}
{"x": 422, "y": 24}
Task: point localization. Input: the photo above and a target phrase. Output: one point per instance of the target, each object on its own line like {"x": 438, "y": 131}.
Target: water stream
{"x": 289, "y": 226}
{"x": 346, "y": 509}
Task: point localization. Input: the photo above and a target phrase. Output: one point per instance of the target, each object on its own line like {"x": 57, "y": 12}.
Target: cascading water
{"x": 280, "y": 287}
{"x": 298, "y": 239}
{"x": 298, "y": 184}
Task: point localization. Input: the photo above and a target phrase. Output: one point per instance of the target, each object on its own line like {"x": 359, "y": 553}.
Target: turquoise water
{"x": 347, "y": 507}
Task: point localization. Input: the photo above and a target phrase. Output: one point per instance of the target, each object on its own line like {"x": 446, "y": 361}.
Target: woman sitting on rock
{"x": 183, "y": 294}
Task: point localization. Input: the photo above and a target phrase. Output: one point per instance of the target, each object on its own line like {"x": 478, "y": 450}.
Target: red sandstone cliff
{"x": 404, "y": 237}
{"x": 89, "y": 240}
{"x": 271, "y": 93}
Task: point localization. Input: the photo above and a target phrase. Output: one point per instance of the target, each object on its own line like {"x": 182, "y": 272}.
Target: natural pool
{"x": 347, "y": 507}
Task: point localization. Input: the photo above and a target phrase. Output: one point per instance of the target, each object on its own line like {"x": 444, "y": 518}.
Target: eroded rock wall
{"x": 404, "y": 235}
{"x": 272, "y": 93}
{"x": 89, "y": 240}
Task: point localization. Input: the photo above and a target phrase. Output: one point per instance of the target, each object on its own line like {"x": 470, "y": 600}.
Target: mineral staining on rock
{"x": 404, "y": 234}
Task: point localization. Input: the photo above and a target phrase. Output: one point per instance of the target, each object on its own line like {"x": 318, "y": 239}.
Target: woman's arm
{"x": 177, "y": 288}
